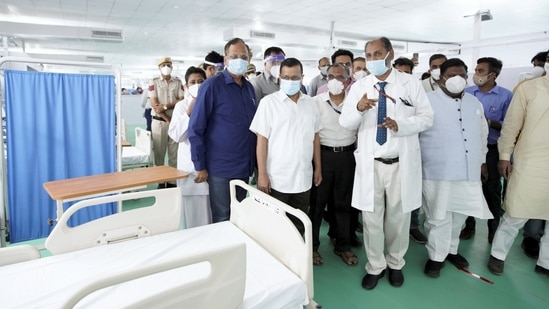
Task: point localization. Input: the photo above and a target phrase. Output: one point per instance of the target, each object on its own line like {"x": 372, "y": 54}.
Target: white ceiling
{"x": 188, "y": 30}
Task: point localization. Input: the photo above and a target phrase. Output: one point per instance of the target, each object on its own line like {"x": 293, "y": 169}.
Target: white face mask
{"x": 275, "y": 71}
{"x": 455, "y": 84}
{"x": 359, "y": 74}
{"x": 335, "y": 87}
{"x": 193, "y": 90}
{"x": 480, "y": 80}
{"x": 435, "y": 74}
{"x": 166, "y": 70}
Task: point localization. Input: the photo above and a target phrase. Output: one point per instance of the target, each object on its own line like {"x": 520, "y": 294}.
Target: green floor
{"x": 338, "y": 285}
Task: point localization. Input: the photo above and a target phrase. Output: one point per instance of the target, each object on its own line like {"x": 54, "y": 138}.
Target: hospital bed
{"x": 139, "y": 155}
{"x": 257, "y": 260}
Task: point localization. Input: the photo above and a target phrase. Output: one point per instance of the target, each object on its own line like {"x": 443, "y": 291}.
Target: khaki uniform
{"x": 166, "y": 92}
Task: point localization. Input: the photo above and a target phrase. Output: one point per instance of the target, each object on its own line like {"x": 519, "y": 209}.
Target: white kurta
{"x": 290, "y": 129}
{"x": 452, "y": 157}
{"x": 196, "y": 201}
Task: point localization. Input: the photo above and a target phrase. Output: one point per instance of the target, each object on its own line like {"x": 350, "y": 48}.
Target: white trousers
{"x": 443, "y": 235}
{"x": 387, "y": 227}
{"x": 196, "y": 211}
{"x": 506, "y": 234}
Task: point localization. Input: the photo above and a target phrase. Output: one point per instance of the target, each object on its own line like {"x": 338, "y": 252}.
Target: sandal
{"x": 317, "y": 258}
{"x": 348, "y": 257}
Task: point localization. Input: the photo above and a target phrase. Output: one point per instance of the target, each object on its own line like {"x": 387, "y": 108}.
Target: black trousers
{"x": 492, "y": 190}
{"x": 338, "y": 170}
{"x": 300, "y": 201}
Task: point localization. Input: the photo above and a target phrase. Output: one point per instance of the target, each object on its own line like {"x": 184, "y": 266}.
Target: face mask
{"x": 193, "y": 90}
{"x": 377, "y": 67}
{"x": 237, "y": 66}
{"x": 324, "y": 70}
{"x": 435, "y": 74}
{"x": 166, "y": 70}
{"x": 456, "y": 84}
{"x": 335, "y": 87}
{"x": 480, "y": 80}
{"x": 290, "y": 87}
{"x": 275, "y": 71}
{"x": 359, "y": 74}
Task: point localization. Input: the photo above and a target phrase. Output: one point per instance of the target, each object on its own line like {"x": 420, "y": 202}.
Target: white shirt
{"x": 290, "y": 129}
{"x": 178, "y": 132}
{"x": 332, "y": 134}
{"x": 389, "y": 149}
{"x": 429, "y": 84}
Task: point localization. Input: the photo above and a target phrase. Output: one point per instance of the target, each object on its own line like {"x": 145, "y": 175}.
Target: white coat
{"x": 410, "y": 119}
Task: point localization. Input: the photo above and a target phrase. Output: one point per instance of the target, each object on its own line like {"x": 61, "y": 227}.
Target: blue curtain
{"x": 58, "y": 126}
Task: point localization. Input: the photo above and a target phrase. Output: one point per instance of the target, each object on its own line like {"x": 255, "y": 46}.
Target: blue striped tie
{"x": 381, "y": 136}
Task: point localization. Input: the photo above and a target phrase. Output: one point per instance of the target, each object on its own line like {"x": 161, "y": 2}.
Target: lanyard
{"x": 335, "y": 110}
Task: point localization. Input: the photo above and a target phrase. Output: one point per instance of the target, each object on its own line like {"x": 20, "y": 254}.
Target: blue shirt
{"x": 495, "y": 103}
{"x": 218, "y": 128}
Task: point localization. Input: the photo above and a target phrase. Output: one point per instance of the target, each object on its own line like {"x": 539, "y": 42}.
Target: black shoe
{"x": 495, "y": 266}
{"x": 542, "y": 271}
{"x": 531, "y": 247}
{"x": 467, "y": 233}
{"x": 417, "y": 236}
{"x": 161, "y": 185}
{"x": 396, "y": 278}
{"x": 355, "y": 241}
{"x": 457, "y": 260}
{"x": 370, "y": 281}
{"x": 432, "y": 268}
{"x": 170, "y": 185}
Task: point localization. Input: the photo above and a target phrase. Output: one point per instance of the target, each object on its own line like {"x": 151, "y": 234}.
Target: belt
{"x": 492, "y": 146}
{"x": 339, "y": 149}
{"x": 158, "y": 118}
{"x": 387, "y": 161}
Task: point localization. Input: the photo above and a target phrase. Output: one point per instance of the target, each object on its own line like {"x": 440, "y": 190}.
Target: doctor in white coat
{"x": 389, "y": 108}
{"x": 195, "y": 196}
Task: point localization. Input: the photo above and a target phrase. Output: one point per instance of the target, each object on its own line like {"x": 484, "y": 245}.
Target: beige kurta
{"x": 527, "y": 123}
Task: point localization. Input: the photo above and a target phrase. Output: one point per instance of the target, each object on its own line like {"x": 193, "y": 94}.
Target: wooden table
{"x": 66, "y": 190}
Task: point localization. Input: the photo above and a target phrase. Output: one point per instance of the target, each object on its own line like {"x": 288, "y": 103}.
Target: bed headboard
{"x": 163, "y": 216}
{"x": 273, "y": 230}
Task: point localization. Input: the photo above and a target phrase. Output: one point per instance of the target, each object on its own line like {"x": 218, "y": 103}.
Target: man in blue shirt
{"x": 495, "y": 100}
{"x": 222, "y": 147}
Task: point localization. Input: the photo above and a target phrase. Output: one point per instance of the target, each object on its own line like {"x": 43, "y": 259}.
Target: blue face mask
{"x": 377, "y": 67}
{"x": 237, "y": 66}
{"x": 290, "y": 87}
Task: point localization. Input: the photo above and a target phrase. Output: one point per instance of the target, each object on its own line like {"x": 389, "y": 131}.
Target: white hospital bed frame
{"x": 259, "y": 215}
{"x": 143, "y": 143}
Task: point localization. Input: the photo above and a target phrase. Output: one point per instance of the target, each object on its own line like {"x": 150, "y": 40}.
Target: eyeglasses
{"x": 234, "y": 56}
{"x": 384, "y": 94}
{"x": 340, "y": 78}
